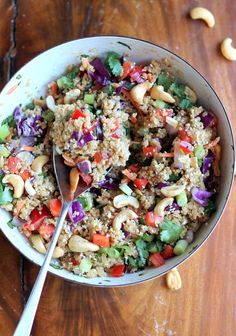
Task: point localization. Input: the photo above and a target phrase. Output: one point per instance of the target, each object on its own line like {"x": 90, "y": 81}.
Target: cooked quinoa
{"x": 146, "y": 149}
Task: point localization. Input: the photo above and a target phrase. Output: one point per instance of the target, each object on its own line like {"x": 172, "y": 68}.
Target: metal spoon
{"x": 62, "y": 176}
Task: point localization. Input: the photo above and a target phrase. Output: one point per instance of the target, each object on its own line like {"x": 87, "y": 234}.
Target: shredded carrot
{"x": 128, "y": 174}
{"x": 19, "y": 206}
{"x": 127, "y": 95}
{"x": 213, "y": 143}
{"x": 133, "y": 119}
{"x": 149, "y": 77}
{"x": 164, "y": 155}
{"x": 46, "y": 139}
{"x": 217, "y": 152}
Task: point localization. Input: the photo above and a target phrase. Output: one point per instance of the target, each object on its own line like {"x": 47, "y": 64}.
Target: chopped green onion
{"x": 89, "y": 98}
{"x": 126, "y": 189}
{"x": 182, "y": 199}
{"x": 180, "y": 247}
{"x": 85, "y": 265}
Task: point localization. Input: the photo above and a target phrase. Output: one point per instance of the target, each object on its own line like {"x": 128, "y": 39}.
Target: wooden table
{"x": 206, "y": 304}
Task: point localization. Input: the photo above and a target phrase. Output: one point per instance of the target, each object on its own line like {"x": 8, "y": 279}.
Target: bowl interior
{"x": 31, "y": 82}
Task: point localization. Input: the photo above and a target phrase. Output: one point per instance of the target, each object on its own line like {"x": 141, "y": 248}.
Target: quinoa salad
{"x": 139, "y": 139}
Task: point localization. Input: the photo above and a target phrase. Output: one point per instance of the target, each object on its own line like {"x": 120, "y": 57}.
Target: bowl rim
{"x": 196, "y": 247}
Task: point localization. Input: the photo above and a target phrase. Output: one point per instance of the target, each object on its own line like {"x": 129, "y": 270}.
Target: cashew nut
{"x": 137, "y": 93}
{"x": 159, "y": 209}
{"x": 79, "y": 244}
{"x": 172, "y": 190}
{"x": 38, "y": 243}
{"x": 172, "y": 122}
{"x": 17, "y": 182}
{"x": 29, "y": 188}
{"x": 58, "y": 251}
{"x": 204, "y": 14}
{"x": 74, "y": 179}
{"x": 39, "y": 162}
{"x": 227, "y": 50}
{"x": 173, "y": 279}
{"x": 50, "y": 102}
{"x": 157, "y": 92}
{"x": 191, "y": 94}
{"x": 123, "y": 200}
{"x": 122, "y": 217}
{"x": 71, "y": 96}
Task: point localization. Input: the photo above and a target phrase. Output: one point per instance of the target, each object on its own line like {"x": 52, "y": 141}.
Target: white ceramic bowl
{"x": 31, "y": 82}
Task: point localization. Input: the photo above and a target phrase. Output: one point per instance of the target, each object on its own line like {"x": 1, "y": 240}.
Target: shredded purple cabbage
{"x": 173, "y": 207}
{"x": 206, "y": 118}
{"x": 27, "y": 126}
{"x": 85, "y": 166}
{"x": 201, "y": 196}
{"x": 207, "y": 162}
{"x": 27, "y": 141}
{"x": 99, "y": 129}
{"x": 87, "y": 137}
{"x": 161, "y": 185}
{"x": 77, "y": 135}
{"x": 76, "y": 212}
{"x": 101, "y": 75}
{"x": 109, "y": 183}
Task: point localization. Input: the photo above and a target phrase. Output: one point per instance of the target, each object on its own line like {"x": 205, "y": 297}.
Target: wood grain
{"x": 206, "y": 305}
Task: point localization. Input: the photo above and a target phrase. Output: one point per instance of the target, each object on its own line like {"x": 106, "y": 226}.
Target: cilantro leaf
{"x": 141, "y": 246}
{"x": 67, "y": 81}
{"x": 211, "y": 207}
{"x": 10, "y": 121}
{"x": 185, "y": 103}
{"x": 170, "y": 232}
{"x": 110, "y": 251}
{"x": 178, "y": 90}
{"x": 174, "y": 177}
{"x": 10, "y": 224}
{"x": 164, "y": 80}
{"x": 113, "y": 63}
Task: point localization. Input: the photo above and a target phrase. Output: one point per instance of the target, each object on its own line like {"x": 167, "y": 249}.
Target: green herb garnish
{"x": 169, "y": 231}
{"x": 113, "y": 63}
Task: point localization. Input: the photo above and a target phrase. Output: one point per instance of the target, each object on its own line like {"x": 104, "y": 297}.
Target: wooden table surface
{"x": 206, "y": 304}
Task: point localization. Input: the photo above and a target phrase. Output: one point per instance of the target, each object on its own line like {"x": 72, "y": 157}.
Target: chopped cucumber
{"x": 112, "y": 252}
{"x": 89, "y": 98}
{"x": 85, "y": 265}
{"x": 87, "y": 201}
{"x": 4, "y": 132}
{"x": 126, "y": 189}
{"x": 5, "y": 196}
{"x": 180, "y": 246}
{"x": 199, "y": 152}
{"x": 160, "y": 104}
{"x": 182, "y": 198}
{"x": 4, "y": 151}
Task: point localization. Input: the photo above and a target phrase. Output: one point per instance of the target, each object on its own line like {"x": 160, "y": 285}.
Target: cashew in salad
{"x": 157, "y": 92}
{"x": 172, "y": 190}
{"x": 74, "y": 179}
{"x": 39, "y": 162}
{"x": 138, "y": 92}
{"x": 159, "y": 209}
{"x": 38, "y": 243}
{"x": 228, "y": 50}
{"x": 122, "y": 217}
{"x": 204, "y": 14}
{"x": 71, "y": 96}
{"x": 50, "y": 102}
{"x": 173, "y": 279}
{"x": 79, "y": 244}
{"x": 123, "y": 200}
{"x": 29, "y": 188}
{"x": 17, "y": 182}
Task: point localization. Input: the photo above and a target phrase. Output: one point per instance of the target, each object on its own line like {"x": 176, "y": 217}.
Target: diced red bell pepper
{"x": 116, "y": 127}
{"x": 150, "y": 151}
{"x": 185, "y": 147}
{"x": 135, "y": 74}
{"x": 156, "y": 259}
{"x": 55, "y": 206}
{"x": 46, "y": 231}
{"x": 163, "y": 113}
{"x": 140, "y": 183}
{"x": 98, "y": 157}
{"x": 74, "y": 261}
{"x": 167, "y": 252}
{"x": 118, "y": 270}
{"x": 78, "y": 114}
{"x": 54, "y": 88}
{"x": 86, "y": 178}
{"x": 101, "y": 240}
{"x": 127, "y": 66}
{"x": 36, "y": 218}
{"x": 13, "y": 163}
{"x": 134, "y": 168}
{"x": 183, "y": 135}
{"x": 151, "y": 219}
{"x": 25, "y": 174}
{"x": 115, "y": 136}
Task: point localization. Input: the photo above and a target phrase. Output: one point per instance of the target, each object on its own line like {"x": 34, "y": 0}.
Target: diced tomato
{"x": 156, "y": 259}
{"x": 13, "y": 163}
{"x": 86, "y": 178}
{"x": 46, "y": 231}
{"x": 37, "y": 217}
{"x": 167, "y": 252}
{"x": 25, "y": 174}
{"x": 134, "y": 168}
{"x": 54, "y": 88}
{"x": 151, "y": 219}
{"x": 101, "y": 240}
{"x": 183, "y": 135}
{"x": 140, "y": 183}
{"x": 150, "y": 150}
{"x": 55, "y": 206}
{"x": 98, "y": 157}
{"x": 163, "y": 113}
{"x": 74, "y": 261}
{"x": 118, "y": 270}
{"x": 77, "y": 114}
{"x": 127, "y": 66}
{"x": 130, "y": 176}
{"x": 115, "y": 136}
{"x": 135, "y": 74}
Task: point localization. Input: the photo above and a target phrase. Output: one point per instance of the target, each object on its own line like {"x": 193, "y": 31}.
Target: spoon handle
{"x": 27, "y": 318}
